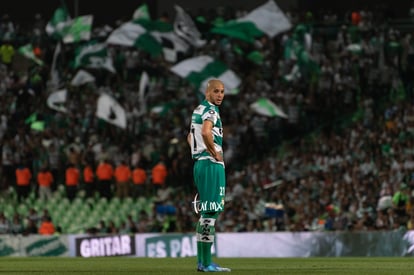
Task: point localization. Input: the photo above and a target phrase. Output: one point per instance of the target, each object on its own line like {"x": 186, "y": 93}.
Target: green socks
{"x": 205, "y": 238}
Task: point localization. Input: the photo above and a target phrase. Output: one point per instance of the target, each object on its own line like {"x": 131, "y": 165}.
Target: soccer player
{"x": 205, "y": 139}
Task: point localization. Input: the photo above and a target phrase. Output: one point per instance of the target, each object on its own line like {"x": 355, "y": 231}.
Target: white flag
{"x": 54, "y": 73}
{"x": 185, "y": 28}
{"x": 266, "y": 107}
{"x": 143, "y": 84}
{"x": 126, "y": 34}
{"x": 354, "y": 48}
{"x": 158, "y": 109}
{"x": 111, "y": 111}
{"x": 293, "y": 75}
{"x": 161, "y": 110}
{"x": 57, "y": 101}
{"x": 268, "y": 18}
{"x": 82, "y": 77}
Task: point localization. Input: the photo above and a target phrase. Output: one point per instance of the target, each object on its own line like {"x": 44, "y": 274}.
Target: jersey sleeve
{"x": 210, "y": 115}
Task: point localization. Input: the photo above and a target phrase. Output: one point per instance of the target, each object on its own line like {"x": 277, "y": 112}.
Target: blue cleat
{"x": 212, "y": 268}
{"x": 200, "y": 266}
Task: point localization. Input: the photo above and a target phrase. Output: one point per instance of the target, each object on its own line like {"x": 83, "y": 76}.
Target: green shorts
{"x": 210, "y": 180}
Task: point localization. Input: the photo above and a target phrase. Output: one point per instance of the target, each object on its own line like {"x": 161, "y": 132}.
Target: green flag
{"x": 199, "y": 70}
{"x": 135, "y": 33}
{"x": 27, "y": 51}
{"x": 267, "y": 19}
{"x": 153, "y": 37}
{"x": 59, "y": 21}
{"x": 38, "y": 126}
{"x": 31, "y": 118}
{"x": 142, "y": 12}
{"x": 245, "y": 31}
{"x": 34, "y": 123}
{"x": 256, "y": 57}
{"x": 297, "y": 49}
{"x": 78, "y": 29}
{"x": 95, "y": 56}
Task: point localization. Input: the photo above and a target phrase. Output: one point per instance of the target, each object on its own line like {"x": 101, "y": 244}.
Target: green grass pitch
{"x": 183, "y": 266}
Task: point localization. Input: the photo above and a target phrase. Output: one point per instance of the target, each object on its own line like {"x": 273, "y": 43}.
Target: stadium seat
{"x": 8, "y": 211}
{"x": 22, "y": 209}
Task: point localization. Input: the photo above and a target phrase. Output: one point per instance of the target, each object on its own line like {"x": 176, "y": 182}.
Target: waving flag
{"x": 266, "y": 107}
{"x": 82, "y": 77}
{"x": 142, "y": 12}
{"x": 54, "y": 72}
{"x": 78, "y": 29}
{"x": 267, "y": 19}
{"x": 153, "y": 37}
{"x": 172, "y": 45}
{"x": 142, "y": 97}
{"x": 199, "y": 70}
{"x": 161, "y": 109}
{"x": 185, "y": 28}
{"x": 111, "y": 111}
{"x": 297, "y": 49}
{"x": 129, "y": 34}
{"x": 27, "y": 51}
{"x": 57, "y": 101}
{"x": 244, "y": 31}
{"x": 94, "y": 56}
{"x": 58, "y": 23}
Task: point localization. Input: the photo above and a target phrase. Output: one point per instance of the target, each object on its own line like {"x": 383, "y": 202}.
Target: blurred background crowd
{"x": 342, "y": 158}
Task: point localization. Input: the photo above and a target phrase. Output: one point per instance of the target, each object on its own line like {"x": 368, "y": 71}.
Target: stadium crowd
{"x": 342, "y": 160}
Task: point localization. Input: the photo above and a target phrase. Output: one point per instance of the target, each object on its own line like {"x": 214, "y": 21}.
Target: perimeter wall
{"x": 275, "y": 245}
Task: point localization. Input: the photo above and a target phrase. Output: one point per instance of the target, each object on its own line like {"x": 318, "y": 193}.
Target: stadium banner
{"x": 316, "y": 244}
{"x": 167, "y": 245}
{"x": 250, "y": 244}
{"x": 10, "y": 246}
{"x": 34, "y": 245}
{"x": 105, "y": 246}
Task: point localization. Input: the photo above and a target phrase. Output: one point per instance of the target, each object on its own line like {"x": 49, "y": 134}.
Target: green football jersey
{"x": 205, "y": 111}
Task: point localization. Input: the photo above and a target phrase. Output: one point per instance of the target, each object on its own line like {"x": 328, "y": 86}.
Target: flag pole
{"x": 76, "y": 8}
{"x": 63, "y": 4}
